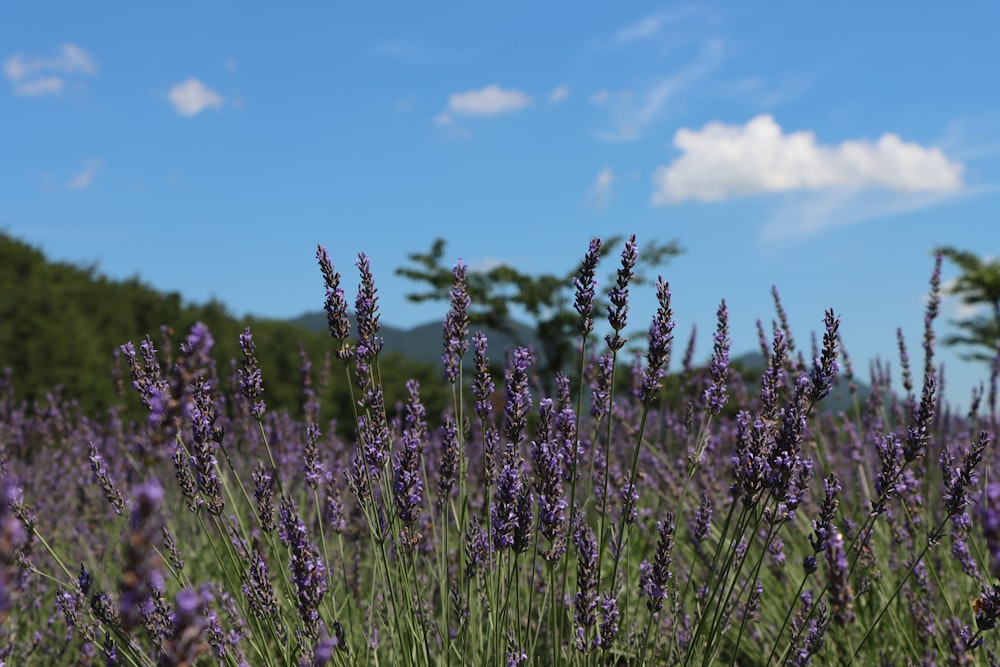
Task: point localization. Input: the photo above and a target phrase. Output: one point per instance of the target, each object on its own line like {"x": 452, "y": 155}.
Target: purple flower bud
{"x": 518, "y": 395}
{"x": 456, "y": 325}
{"x": 335, "y": 305}
{"x": 716, "y": 395}
{"x": 618, "y": 312}
{"x": 586, "y": 286}
{"x": 251, "y": 380}
{"x": 143, "y": 565}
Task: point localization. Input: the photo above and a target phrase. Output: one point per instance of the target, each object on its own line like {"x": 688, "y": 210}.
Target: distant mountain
{"x": 425, "y": 342}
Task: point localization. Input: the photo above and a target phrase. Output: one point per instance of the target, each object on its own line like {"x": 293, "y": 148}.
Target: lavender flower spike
{"x": 518, "y": 395}
{"x": 143, "y": 573}
{"x": 336, "y": 304}
{"x": 825, "y": 367}
{"x": 456, "y": 325}
{"x": 586, "y": 286}
{"x": 366, "y": 311}
{"x": 618, "y": 313}
{"x": 660, "y": 339}
{"x": 308, "y": 570}
{"x": 251, "y": 381}
{"x": 716, "y": 395}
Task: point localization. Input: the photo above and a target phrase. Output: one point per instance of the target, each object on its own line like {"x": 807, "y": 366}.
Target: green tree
{"x": 977, "y": 285}
{"x": 546, "y": 299}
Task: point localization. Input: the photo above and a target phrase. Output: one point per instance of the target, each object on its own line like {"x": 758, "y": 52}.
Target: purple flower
{"x": 448, "y": 468}
{"x": 207, "y": 439}
{"x": 825, "y": 367}
{"x": 700, "y": 527}
{"x": 311, "y": 464}
{"x": 13, "y": 537}
{"x": 987, "y": 607}
{"x": 333, "y": 508}
{"x": 308, "y": 570}
{"x": 959, "y": 481}
{"x": 660, "y": 576}
{"x": 918, "y": 434}
{"x": 111, "y": 491}
{"x": 477, "y": 548}
{"x": 187, "y": 641}
{"x": 586, "y": 286}
{"x": 609, "y": 622}
{"x": 251, "y": 380}
{"x": 989, "y": 516}
{"x": 408, "y": 484}
{"x": 504, "y": 510}
{"x": 585, "y": 607}
{"x": 456, "y": 325}
{"x": 258, "y": 589}
{"x": 335, "y": 304}
{"x": 838, "y": 587}
{"x": 770, "y": 382}
{"x": 548, "y": 485}
{"x": 366, "y": 311}
{"x": 263, "y": 492}
{"x": 618, "y": 312}
{"x": 660, "y": 338}
{"x": 518, "y": 395}
{"x": 601, "y": 388}
{"x": 143, "y": 565}
{"x": 482, "y": 384}
{"x": 716, "y": 395}
{"x": 823, "y": 528}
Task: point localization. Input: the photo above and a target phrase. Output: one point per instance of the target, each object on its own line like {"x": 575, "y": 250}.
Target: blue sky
{"x": 208, "y": 147}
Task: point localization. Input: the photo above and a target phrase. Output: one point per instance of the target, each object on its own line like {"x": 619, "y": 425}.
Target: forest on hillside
{"x": 61, "y": 326}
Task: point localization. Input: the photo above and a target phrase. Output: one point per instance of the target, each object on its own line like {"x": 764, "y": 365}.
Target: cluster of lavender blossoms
{"x": 619, "y": 512}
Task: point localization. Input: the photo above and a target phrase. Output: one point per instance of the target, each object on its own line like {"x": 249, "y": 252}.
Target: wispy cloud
{"x": 723, "y": 161}
{"x": 632, "y": 114}
{"x": 641, "y": 29}
{"x": 83, "y": 179}
{"x": 192, "y": 97}
{"x": 34, "y": 76}
{"x": 600, "y": 192}
{"x": 805, "y": 214}
{"x": 558, "y": 94}
{"x": 490, "y": 100}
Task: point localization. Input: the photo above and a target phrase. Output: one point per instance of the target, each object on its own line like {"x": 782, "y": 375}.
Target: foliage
{"x": 978, "y": 285}
{"x": 503, "y": 291}
{"x": 61, "y": 327}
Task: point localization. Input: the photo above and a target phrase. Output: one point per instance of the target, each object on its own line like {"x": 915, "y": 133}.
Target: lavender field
{"x": 605, "y": 521}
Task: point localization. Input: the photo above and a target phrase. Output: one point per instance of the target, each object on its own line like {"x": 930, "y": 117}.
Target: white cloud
{"x": 722, "y": 161}
{"x": 192, "y": 97}
{"x": 33, "y": 76}
{"x": 600, "y": 192}
{"x": 558, "y": 94}
{"x": 85, "y": 177}
{"x": 488, "y": 101}
{"x": 49, "y": 85}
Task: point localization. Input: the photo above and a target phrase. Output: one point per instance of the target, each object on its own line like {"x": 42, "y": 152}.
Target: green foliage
{"x": 60, "y": 326}
{"x": 546, "y": 298}
{"x": 977, "y": 285}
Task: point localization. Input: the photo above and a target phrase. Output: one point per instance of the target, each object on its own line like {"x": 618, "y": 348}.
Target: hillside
{"x": 60, "y": 325}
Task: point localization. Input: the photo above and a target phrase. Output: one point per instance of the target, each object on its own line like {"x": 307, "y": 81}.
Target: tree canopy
{"x": 978, "y": 285}
{"x": 501, "y": 292}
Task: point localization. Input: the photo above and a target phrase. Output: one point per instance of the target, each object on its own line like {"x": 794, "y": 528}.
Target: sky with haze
{"x": 208, "y": 147}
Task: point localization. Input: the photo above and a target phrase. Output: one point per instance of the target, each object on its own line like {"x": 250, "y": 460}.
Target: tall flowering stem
{"x": 617, "y": 318}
